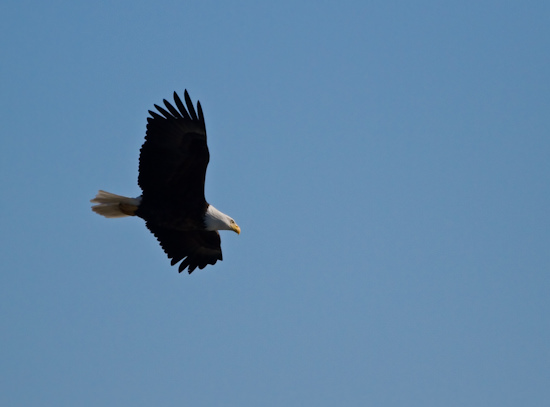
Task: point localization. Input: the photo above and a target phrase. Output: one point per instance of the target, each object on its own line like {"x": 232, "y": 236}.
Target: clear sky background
{"x": 387, "y": 161}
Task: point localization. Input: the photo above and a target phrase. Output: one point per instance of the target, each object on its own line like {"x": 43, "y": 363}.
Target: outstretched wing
{"x": 174, "y": 157}
{"x": 197, "y": 248}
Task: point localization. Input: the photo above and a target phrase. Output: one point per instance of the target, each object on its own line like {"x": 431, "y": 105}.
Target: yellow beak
{"x": 236, "y": 229}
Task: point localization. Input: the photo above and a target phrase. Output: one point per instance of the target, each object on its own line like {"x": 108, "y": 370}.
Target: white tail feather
{"x": 112, "y": 205}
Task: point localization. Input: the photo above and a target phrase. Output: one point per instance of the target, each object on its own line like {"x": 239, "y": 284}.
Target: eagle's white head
{"x": 216, "y": 220}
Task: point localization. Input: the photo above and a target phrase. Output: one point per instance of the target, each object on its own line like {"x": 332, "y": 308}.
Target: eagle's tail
{"x": 114, "y": 206}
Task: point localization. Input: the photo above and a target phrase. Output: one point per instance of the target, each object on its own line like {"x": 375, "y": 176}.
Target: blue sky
{"x": 388, "y": 163}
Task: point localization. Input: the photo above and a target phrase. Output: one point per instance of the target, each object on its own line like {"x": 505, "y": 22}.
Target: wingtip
{"x": 190, "y": 107}
{"x": 199, "y": 108}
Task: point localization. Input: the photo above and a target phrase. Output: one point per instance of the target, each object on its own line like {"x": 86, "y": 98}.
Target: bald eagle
{"x": 172, "y": 170}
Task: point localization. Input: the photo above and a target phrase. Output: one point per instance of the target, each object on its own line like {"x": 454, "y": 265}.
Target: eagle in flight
{"x": 172, "y": 171}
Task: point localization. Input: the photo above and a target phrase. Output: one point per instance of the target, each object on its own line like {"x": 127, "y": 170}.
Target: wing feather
{"x": 190, "y": 106}
{"x": 196, "y": 248}
{"x": 174, "y": 156}
{"x": 173, "y": 110}
{"x": 164, "y": 112}
{"x": 180, "y": 106}
{"x": 199, "y": 108}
